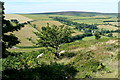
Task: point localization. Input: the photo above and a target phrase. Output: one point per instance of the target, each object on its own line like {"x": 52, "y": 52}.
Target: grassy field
{"x": 89, "y": 20}
{"x": 116, "y": 34}
{"x": 92, "y": 38}
{"x": 115, "y": 23}
{"x": 25, "y": 33}
{"x": 38, "y": 17}
{"x": 107, "y": 27}
{"x": 76, "y": 32}
{"x": 23, "y": 49}
{"x": 40, "y": 24}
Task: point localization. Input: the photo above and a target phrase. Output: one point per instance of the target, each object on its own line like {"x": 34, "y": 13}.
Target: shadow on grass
{"x": 53, "y": 71}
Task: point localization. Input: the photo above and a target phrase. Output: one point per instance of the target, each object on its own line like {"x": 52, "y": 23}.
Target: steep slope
{"x": 25, "y": 32}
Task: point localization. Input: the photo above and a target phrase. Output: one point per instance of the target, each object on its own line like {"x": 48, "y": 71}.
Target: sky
{"x": 41, "y": 6}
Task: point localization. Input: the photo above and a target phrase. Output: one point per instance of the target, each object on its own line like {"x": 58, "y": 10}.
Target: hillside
{"x": 91, "y": 58}
{"x": 25, "y": 32}
{"x": 78, "y": 13}
{"x": 84, "y": 55}
{"x": 20, "y": 18}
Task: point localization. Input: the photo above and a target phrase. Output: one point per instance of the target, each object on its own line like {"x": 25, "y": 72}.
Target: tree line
{"x": 78, "y": 26}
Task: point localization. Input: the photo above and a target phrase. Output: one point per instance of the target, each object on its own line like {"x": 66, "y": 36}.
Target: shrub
{"x": 53, "y": 71}
{"x": 68, "y": 55}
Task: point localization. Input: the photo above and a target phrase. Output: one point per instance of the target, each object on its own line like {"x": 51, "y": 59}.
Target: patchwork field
{"x": 41, "y": 20}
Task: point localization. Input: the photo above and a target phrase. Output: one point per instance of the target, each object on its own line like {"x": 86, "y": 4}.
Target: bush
{"x": 97, "y": 35}
{"x": 87, "y": 64}
{"x": 53, "y": 71}
{"x": 68, "y": 55}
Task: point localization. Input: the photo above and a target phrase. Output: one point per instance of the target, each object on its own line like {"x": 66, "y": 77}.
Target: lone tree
{"x": 97, "y": 35}
{"x": 53, "y": 36}
{"x": 9, "y": 40}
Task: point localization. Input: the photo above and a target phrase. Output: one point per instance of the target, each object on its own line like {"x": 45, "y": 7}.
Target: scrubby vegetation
{"x": 89, "y": 50}
{"x": 82, "y": 59}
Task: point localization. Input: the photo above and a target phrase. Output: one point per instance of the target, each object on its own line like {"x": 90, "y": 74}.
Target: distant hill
{"x": 78, "y": 13}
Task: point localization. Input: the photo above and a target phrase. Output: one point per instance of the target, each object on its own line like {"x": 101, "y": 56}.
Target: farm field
{"x": 92, "y": 38}
{"x": 93, "y": 20}
{"x": 107, "y": 27}
{"x": 40, "y": 24}
{"x": 116, "y": 34}
{"x": 37, "y": 17}
{"x": 115, "y": 23}
{"x": 79, "y": 19}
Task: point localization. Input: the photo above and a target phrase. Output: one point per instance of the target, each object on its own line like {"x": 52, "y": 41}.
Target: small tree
{"x": 53, "y": 36}
{"x": 97, "y": 35}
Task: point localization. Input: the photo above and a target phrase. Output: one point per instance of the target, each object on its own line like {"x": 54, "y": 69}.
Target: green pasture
{"x": 92, "y": 38}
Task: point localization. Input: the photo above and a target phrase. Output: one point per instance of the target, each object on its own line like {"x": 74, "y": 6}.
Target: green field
{"x": 79, "y": 19}
{"x": 38, "y": 17}
{"x": 92, "y": 38}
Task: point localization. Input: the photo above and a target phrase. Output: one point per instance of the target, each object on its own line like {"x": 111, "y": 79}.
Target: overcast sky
{"x": 39, "y": 6}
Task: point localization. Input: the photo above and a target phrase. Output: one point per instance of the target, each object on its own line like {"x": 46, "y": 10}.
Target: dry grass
{"x": 115, "y": 23}
{"x": 76, "y": 33}
{"x": 24, "y": 49}
{"x": 116, "y": 34}
{"x": 40, "y": 24}
{"x": 107, "y": 27}
{"x": 18, "y": 17}
{"x": 25, "y": 33}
